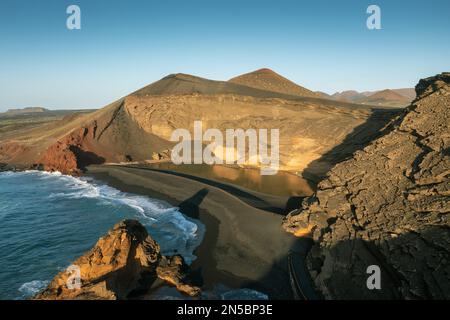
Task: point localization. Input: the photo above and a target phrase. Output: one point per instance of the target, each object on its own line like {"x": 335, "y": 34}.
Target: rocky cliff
{"x": 122, "y": 265}
{"x": 68, "y": 155}
{"x": 387, "y": 206}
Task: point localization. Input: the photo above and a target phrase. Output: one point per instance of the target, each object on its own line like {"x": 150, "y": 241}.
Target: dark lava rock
{"x": 388, "y": 206}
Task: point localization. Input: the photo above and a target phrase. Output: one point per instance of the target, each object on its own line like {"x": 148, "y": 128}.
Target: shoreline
{"x": 243, "y": 246}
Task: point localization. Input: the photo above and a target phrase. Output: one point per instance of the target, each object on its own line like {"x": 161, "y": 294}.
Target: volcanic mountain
{"x": 180, "y": 83}
{"x": 266, "y": 79}
{"x": 314, "y": 132}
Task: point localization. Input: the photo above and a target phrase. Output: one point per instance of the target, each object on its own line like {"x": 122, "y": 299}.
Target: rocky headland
{"x": 124, "y": 264}
{"x": 387, "y": 206}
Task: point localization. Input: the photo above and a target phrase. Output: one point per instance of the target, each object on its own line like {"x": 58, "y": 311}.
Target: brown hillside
{"x": 387, "y": 95}
{"x": 179, "y": 84}
{"x": 132, "y": 128}
{"x": 68, "y": 145}
{"x": 409, "y": 93}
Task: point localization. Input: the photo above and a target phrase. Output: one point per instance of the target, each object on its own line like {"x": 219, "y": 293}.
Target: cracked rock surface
{"x": 388, "y": 206}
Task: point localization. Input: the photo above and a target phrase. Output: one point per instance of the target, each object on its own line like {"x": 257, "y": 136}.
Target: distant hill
{"x": 26, "y": 110}
{"x": 387, "y": 97}
{"x": 409, "y": 93}
{"x": 266, "y": 79}
{"x": 349, "y": 96}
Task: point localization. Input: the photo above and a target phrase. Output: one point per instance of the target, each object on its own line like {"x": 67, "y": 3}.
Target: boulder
{"x": 173, "y": 271}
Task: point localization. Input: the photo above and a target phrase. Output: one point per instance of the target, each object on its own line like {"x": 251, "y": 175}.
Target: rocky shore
{"x": 124, "y": 264}
{"x": 7, "y": 167}
{"x": 387, "y": 206}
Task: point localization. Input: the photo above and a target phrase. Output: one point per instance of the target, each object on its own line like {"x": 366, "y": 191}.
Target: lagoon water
{"x": 280, "y": 184}
{"x": 47, "y": 220}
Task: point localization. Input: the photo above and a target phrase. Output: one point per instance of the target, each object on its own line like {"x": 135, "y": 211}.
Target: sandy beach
{"x": 244, "y": 245}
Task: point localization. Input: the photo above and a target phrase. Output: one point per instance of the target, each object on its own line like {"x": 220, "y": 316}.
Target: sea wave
{"x": 244, "y": 294}
{"x": 175, "y": 232}
{"x": 219, "y": 292}
{"x": 31, "y": 288}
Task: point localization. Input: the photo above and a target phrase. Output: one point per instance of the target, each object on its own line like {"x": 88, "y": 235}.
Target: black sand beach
{"x": 244, "y": 245}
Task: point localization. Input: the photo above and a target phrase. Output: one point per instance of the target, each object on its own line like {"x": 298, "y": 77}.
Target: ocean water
{"x": 48, "y": 220}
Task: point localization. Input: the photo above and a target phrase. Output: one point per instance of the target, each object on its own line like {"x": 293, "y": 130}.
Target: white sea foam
{"x": 219, "y": 292}
{"x": 244, "y": 294}
{"x": 29, "y": 289}
{"x": 175, "y": 232}
{"x": 6, "y": 173}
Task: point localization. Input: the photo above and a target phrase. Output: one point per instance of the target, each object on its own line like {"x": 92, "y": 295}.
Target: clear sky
{"x": 126, "y": 44}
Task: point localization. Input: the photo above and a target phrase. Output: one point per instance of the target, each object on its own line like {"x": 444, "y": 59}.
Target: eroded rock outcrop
{"x": 388, "y": 206}
{"x": 70, "y": 155}
{"x": 173, "y": 270}
{"x": 122, "y": 265}
{"x": 60, "y": 157}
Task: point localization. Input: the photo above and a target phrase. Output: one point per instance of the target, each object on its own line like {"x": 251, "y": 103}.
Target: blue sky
{"x": 124, "y": 45}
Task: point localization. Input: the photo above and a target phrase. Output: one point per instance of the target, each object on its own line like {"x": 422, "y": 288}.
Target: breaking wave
{"x": 174, "y": 232}
{"x": 31, "y": 288}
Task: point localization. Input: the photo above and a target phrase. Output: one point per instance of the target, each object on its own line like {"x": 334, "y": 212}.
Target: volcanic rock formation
{"x": 387, "y": 206}
{"x": 122, "y": 265}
